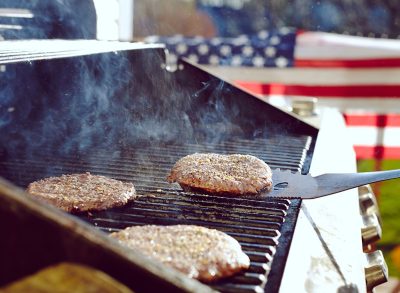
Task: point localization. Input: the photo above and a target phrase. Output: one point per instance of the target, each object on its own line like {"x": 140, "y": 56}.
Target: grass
{"x": 388, "y": 196}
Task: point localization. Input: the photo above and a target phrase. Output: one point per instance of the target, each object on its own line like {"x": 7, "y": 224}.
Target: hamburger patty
{"x": 82, "y": 192}
{"x": 200, "y": 253}
{"x": 222, "y": 174}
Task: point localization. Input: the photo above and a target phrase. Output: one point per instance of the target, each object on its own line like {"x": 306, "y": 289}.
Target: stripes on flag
{"x": 370, "y": 119}
{"x": 374, "y": 135}
{"x": 330, "y": 65}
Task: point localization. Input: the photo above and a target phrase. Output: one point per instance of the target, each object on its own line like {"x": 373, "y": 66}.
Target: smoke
{"x": 117, "y": 104}
{"x": 216, "y": 118}
{"x": 100, "y": 103}
{"x": 6, "y": 107}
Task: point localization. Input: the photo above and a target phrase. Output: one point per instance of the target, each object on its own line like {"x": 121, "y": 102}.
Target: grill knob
{"x": 304, "y": 106}
{"x": 368, "y": 203}
{"x": 376, "y": 272}
{"x": 371, "y": 232}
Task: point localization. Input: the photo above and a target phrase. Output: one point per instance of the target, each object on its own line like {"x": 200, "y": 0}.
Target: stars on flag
{"x": 265, "y": 49}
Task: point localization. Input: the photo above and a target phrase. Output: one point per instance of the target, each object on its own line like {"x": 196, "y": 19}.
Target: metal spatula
{"x": 294, "y": 185}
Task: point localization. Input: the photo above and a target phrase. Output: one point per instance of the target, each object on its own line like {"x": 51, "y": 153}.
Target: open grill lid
{"x": 111, "y": 114}
{"x": 119, "y": 91}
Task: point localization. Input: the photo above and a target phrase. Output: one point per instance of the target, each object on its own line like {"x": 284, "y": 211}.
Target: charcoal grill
{"x": 119, "y": 112}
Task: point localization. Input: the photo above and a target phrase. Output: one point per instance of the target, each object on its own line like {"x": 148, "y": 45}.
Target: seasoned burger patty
{"x": 222, "y": 174}
{"x": 200, "y": 253}
{"x": 82, "y": 192}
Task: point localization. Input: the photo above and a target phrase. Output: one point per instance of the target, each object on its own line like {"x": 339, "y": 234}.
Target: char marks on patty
{"x": 82, "y": 192}
{"x": 222, "y": 174}
{"x": 198, "y": 252}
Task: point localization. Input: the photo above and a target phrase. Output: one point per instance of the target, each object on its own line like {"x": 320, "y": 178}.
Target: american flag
{"x": 360, "y": 76}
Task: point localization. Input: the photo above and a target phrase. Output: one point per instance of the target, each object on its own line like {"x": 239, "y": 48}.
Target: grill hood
{"x": 114, "y": 109}
{"x": 80, "y": 95}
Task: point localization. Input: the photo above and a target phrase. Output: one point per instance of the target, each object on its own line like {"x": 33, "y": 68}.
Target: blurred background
{"x": 345, "y": 53}
{"x": 231, "y": 18}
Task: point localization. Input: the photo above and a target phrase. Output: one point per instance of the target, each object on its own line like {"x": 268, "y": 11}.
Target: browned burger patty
{"x": 200, "y": 253}
{"x": 222, "y": 174}
{"x": 82, "y": 192}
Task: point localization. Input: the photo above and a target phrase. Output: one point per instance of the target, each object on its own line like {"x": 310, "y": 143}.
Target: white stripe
{"x": 308, "y": 76}
{"x": 372, "y": 136}
{"x": 319, "y": 46}
{"x": 344, "y": 105}
{"x": 16, "y": 12}
{"x": 376, "y": 105}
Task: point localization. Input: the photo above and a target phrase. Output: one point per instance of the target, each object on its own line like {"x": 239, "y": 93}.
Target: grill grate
{"x": 255, "y": 224}
{"x": 258, "y": 224}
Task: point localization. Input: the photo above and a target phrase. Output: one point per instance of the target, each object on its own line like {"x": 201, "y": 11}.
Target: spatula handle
{"x": 347, "y": 181}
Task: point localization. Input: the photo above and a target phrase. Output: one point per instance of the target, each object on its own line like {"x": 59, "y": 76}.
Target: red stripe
{"x": 353, "y": 91}
{"x": 377, "y": 152}
{"x": 378, "y": 120}
{"x": 341, "y": 63}
{"x": 300, "y": 32}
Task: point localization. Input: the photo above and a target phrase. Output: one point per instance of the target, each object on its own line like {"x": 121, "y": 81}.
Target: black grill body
{"x": 123, "y": 115}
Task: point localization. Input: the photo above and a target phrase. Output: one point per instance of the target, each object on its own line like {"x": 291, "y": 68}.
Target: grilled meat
{"x": 200, "y": 253}
{"x": 222, "y": 174}
{"x": 82, "y": 192}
